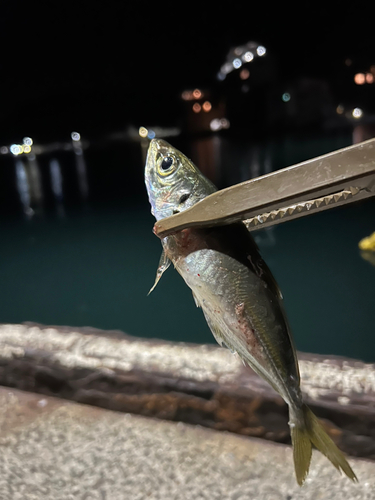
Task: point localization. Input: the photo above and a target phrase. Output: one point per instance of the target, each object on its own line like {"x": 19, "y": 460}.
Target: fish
{"x": 237, "y": 293}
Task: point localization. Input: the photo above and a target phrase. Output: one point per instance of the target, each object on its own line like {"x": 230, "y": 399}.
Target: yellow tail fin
{"x": 307, "y": 430}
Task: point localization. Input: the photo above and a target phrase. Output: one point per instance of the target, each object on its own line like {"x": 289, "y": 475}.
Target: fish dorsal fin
{"x": 164, "y": 263}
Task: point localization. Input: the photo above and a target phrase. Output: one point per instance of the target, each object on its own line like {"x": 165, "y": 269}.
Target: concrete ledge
{"x": 197, "y": 384}
{"x": 56, "y": 449}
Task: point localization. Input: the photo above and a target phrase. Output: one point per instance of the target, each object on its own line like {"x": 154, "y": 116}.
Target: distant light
{"x": 359, "y": 78}
{"x": 372, "y": 69}
{"x": 237, "y": 63}
{"x": 151, "y": 134}
{"x": 357, "y": 113}
{"x": 28, "y": 141}
{"x": 16, "y": 149}
{"x": 220, "y": 76}
{"x": 248, "y": 56}
{"x": 187, "y": 95}
{"x": 196, "y": 107}
{"x": 26, "y": 148}
{"x": 197, "y": 94}
{"x": 245, "y": 88}
{"x": 244, "y": 74}
{"x": 75, "y": 136}
{"x": 4, "y": 150}
{"x": 261, "y": 50}
{"x": 369, "y": 78}
{"x": 340, "y": 109}
{"x": 226, "y": 68}
{"x": 286, "y": 97}
{"x": 348, "y": 62}
{"x": 224, "y": 123}
{"x": 238, "y": 51}
{"x": 207, "y": 106}
{"x": 215, "y": 125}
{"x": 143, "y": 131}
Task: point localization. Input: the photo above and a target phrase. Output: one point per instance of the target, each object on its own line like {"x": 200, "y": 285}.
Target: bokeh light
{"x": 244, "y": 74}
{"x": 248, "y": 56}
{"x": 357, "y": 113}
{"x": 359, "y": 78}
{"x": 75, "y": 136}
{"x": 143, "y": 131}
{"x": 207, "y": 106}
{"x": 196, "y": 107}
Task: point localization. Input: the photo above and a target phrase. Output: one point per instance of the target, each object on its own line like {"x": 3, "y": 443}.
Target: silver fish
{"x": 239, "y": 297}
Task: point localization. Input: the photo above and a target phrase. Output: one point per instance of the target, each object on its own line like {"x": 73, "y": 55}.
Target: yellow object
{"x": 368, "y": 243}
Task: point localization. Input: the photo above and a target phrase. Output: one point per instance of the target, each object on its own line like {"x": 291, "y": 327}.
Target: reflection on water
{"x": 95, "y": 267}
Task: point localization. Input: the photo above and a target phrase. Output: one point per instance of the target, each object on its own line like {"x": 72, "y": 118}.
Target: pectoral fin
{"x": 164, "y": 263}
{"x": 217, "y": 332}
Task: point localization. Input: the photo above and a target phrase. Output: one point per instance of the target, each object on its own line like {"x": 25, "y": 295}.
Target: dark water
{"x": 93, "y": 264}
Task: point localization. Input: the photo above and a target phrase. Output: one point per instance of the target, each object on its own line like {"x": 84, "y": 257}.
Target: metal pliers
{"x": 328, "y": 181}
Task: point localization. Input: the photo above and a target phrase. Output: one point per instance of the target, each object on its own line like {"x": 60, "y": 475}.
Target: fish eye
{"x": 167, "y": 165}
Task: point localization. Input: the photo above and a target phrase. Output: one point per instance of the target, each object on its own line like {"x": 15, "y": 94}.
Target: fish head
{"x": 173, "y": 182}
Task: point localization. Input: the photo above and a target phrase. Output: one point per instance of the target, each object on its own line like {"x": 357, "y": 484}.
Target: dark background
{"x": 98, "y": 66}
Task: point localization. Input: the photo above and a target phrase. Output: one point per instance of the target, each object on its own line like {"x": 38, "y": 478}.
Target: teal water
{"x": 94, "y": 267}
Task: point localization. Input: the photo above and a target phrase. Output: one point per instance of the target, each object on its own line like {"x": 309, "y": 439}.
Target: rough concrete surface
{"x": 55, "y": 449}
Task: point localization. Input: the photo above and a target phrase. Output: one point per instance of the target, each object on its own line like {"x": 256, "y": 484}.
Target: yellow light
{"x": 26, "y": 148}
{"x": 359, "y": 78}
{"x": 197, "y": 94}
{"x": 244, "y": 74}
{"x": 196, "y": 107}
{"x": 207, "y": 106}
{"x": 143, "y": 131}
{"x": 369, "y": 78}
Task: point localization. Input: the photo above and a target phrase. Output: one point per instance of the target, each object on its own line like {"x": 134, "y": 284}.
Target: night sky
{"x": 98, "y": 66}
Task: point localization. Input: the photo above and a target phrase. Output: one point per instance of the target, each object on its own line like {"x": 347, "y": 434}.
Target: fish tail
{"x": 306, "y": 430}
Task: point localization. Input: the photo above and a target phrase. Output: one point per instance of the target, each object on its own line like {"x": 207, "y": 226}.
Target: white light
{"x": 28, "y": 141}
{"x": 226, "y": 68}
{"x": 151, "y": 134}
{"x": 238, "y": 51}
{"x": 224, "y": 123}
{"x": 357, "y": 113}
{"x": 16, "y": 149}
{"x": 248, "y": 56}
{"x": 261, "y": 50}
{"x": 4, "y": 150}
{"x": 215, "y": 124}
{"x": 237, "y": 63}
{"x": 286, "y": 97}
{"x": 220, "y": 76}
{"x": 75, "y": 136}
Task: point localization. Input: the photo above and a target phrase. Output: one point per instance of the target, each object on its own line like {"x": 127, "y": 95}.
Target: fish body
{"x": 239, "y": 297}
